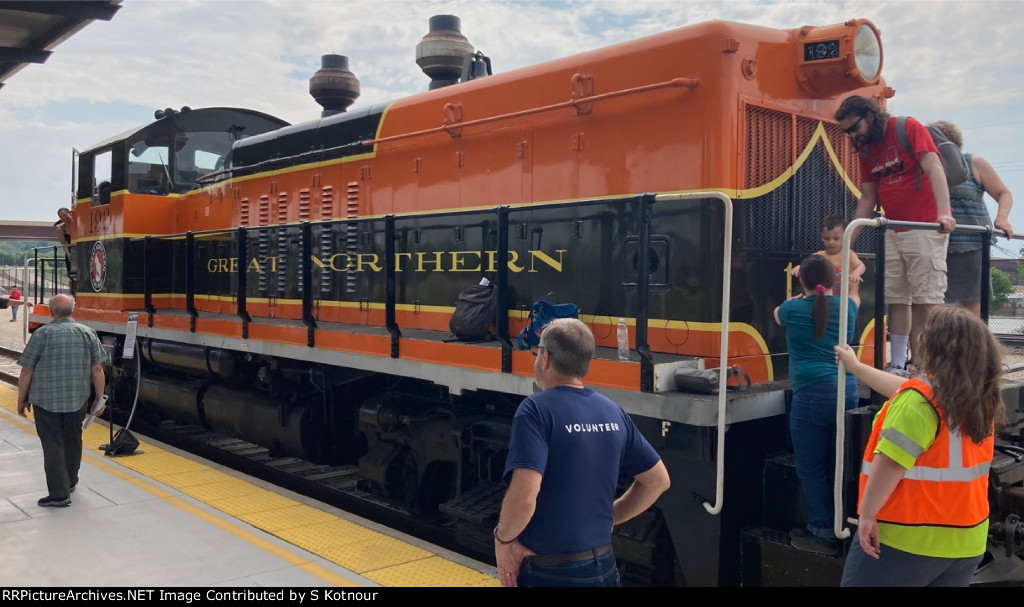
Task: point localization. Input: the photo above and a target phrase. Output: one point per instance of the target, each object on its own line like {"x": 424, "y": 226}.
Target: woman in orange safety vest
{"x": 924, "y": 478}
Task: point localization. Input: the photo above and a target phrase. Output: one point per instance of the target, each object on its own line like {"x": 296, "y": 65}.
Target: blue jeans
{"x": 812, "y": 427}
{"x": 600, "y": 572}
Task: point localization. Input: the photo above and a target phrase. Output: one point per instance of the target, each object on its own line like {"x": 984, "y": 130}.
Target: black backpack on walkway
{"x": 475, "y": 313}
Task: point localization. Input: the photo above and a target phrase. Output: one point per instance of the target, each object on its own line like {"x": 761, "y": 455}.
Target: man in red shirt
{"x": 15, "y": 295}
{"x": 915, "y": 260}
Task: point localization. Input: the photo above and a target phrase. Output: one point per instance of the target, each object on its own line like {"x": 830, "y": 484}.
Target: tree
{"x": 1001, "y": 288}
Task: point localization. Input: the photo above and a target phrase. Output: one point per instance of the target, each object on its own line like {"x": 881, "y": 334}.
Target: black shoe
{"x": 799, "y": 533}
{"x": 73, "y": 487}
{"x": 54, "y": 502}
{"x": 818, "y": 545}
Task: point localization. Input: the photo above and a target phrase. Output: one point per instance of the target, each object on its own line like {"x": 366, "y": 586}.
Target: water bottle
{"x": 623, "y": 336}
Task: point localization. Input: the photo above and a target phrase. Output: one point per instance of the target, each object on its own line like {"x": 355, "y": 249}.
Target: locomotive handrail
{"x": 643, "y": 349}
{"x": 190, "y": 279}
{"x": 689, "y": 83}
{"x": 242, "y": 295}
{"x": 723, "y": 356}
{"x": 502, "y": 290}
{"x": 844, "y": 292}
{"x": 147, "y": 278}
{"x": 306, "y": 276}
{"x": 390, "y": 285}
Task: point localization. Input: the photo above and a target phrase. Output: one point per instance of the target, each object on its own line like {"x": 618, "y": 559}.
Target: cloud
{"x": 946, "y": 59}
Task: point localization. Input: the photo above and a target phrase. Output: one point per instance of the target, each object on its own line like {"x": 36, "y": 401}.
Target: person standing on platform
{"x": 923, "y": 510}
{"x": 915, "y": 260}
{"x": 7, "y": 301}
{"x": 963, "y": 260}
{"x": 16, "y": 296}
{"x": 60, "y": 361}
{"x": 812, "y": 331}
{"x": 568, "y": 449}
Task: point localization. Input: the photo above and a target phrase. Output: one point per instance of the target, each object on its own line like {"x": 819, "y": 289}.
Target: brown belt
{"x": 550, "y": 560}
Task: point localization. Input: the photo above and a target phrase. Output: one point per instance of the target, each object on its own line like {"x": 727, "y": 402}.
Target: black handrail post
{"x": 306, "y": 268}
{"x": 986, "y": 273}
{"x": 391, "y": 285}
{"x": 147, "y": 281}
{"x": 880, "y": 326}
{"x": 190, "y": 279}
{"x": 37, "y": 283}
{"x": 55, "y": 283}
{"x": 644, "y": 218}
{"x": 502, "y": 290}
{"x": 242, "y": 296}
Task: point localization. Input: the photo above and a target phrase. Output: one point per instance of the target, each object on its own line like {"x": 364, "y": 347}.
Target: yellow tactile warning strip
{"x": 378, "y": 557}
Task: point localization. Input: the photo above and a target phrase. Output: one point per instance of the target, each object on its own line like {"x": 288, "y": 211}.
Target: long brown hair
{"x": 856, "y": 105}
{"x": 818, "y": 274}
{"x": 963, "y": 361}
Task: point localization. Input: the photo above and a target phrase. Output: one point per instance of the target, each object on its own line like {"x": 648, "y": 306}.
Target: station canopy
{"x": 31, "y": 29}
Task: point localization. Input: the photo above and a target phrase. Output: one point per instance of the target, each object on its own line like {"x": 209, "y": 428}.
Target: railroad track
{"x": 1011, "y": 340}
{"x": 339, "y": 486}
{"x": 9, "y": 369}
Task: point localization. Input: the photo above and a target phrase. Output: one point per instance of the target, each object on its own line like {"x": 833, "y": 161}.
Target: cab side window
{"x": 148, "y": 172}
{"x": 102, "y": 170}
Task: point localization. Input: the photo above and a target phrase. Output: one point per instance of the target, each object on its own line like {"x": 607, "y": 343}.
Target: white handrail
{"x": 844, "y": 294}
{"x": 723, "y": 360}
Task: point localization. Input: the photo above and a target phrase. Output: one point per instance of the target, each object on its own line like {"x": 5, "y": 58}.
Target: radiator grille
{"x": 789, "y": 217}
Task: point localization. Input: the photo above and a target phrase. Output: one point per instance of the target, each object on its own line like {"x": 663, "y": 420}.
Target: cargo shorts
{"x": 915, "y": 267}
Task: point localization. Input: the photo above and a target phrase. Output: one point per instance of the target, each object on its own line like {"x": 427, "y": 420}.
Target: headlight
{"x": 867, "y": 51}
{"x": 836, "y": 59}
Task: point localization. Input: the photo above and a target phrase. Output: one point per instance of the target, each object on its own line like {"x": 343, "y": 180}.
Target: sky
{"x": 960, "y": 61}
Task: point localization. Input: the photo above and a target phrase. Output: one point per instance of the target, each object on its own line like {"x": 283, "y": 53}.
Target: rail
{"x": 884, "y": 224}
{"x": 453, "y": 126}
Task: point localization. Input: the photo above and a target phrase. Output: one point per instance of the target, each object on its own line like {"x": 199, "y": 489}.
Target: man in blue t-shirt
{"x": 569, "y": 448}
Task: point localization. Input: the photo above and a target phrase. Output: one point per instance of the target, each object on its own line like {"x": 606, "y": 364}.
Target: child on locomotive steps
{"x": 812, "y": 332}
{"x": 832, "y": 228}
{"x": 923, "y": 509}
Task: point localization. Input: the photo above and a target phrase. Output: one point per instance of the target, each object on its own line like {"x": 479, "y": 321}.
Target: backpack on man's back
{"x": 954, "y": 165}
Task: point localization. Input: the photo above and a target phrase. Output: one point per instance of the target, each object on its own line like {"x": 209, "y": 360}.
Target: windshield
{"x": 173, "y": 162}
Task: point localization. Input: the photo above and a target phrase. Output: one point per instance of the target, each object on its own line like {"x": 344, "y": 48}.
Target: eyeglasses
{"x": 536, "y": 350}
{"x": 853, "y": 127}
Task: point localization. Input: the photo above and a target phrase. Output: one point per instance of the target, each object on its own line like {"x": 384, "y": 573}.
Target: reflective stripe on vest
{"x": 926, "y": 494}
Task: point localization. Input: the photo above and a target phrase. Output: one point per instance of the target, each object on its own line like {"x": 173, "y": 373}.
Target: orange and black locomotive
{"x": 292, "y": 284}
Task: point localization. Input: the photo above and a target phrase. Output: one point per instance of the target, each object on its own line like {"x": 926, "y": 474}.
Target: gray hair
{"x": 570, "y": 345}
{"x": 62, "y": 305}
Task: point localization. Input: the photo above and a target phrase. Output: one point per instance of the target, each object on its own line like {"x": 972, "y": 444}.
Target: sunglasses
{"x": 536, "y": 350}
{"x": 853, "y": 127}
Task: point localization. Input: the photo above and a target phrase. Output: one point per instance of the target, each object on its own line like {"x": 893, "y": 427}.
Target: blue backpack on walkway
{"x": 541, "y": 314}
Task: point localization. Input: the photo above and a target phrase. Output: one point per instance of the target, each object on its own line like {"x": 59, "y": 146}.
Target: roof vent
{"x": 441, "y": 53}
{"x": 333, "y": 86}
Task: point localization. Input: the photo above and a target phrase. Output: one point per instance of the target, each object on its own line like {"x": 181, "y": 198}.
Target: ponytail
{"x": 818, "y": 271}
{"x": 819, "y": 311}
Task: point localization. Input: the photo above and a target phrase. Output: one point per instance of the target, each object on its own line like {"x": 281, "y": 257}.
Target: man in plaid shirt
{"x": 59, "y": 362}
